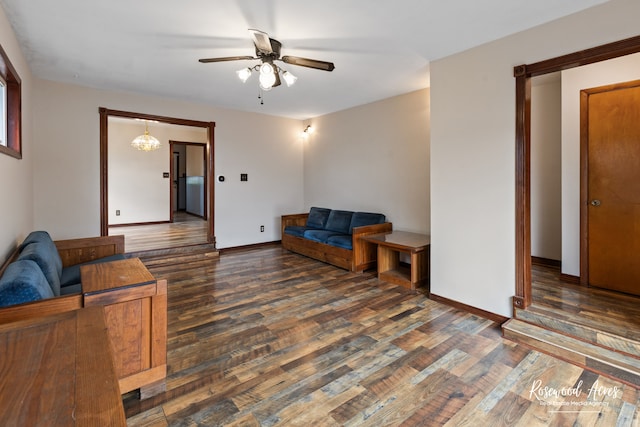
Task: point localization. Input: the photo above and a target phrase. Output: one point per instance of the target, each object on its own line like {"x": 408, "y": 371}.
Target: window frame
{"x": 13, "y": 111}
{"x": 3, "y": 110}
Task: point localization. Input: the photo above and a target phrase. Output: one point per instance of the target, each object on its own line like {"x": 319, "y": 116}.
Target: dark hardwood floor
{"x": 264, "y": 337}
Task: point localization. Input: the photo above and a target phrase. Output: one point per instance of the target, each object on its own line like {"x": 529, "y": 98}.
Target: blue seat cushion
{"x": 48, "y": 259}
{"x": 71, "y": 274}
{"x": 295, "y": 230}
{"x": 344, "y": 241}
{"x": 318, "y": 217}
{"x": 339, "y": 221}
{"x": 365, "y": 218}
{"x": 319, "y": 235}
{"x": 23, "y": 281}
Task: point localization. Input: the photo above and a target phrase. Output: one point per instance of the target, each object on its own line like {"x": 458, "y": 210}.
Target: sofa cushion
{"x": 319, "y": 235}
{"x": 339, "y": 221}
{"x": 318, "y": 217}
{"x": 46, "y": 256}
{"x": 295, "y": 230}
{"x": 344, "y": 241}
{"x": 365, "y": 218}
{"x": 23, "y": 281}
{"x": 71, "y": 274}
{"x": 36, "y": 237}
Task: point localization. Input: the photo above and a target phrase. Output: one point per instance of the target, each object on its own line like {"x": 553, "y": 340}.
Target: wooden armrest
{"x": 365, "y": 253}
{"x": 371, "y": 229}
{"x": 294, "y": 219}
{"x": 76, "y": 251}
{"x": 40, "y": 308}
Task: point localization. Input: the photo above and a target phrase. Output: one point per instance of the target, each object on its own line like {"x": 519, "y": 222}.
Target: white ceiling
{"x": 380, "y": 48}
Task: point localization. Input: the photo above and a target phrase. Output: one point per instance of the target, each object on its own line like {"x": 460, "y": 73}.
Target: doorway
{"x": 106, "y": 114}
{"x": 610, "y": 154}
{"x": 523, "y": 74}
{"x": 188, "y": 179}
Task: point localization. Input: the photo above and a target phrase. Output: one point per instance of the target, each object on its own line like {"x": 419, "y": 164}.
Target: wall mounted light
{"x": 307, "y": 131}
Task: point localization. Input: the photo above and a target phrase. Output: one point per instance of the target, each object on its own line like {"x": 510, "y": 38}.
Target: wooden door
{"x": 612, "y": 197}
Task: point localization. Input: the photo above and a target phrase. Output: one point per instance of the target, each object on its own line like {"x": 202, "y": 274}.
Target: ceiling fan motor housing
{"x": 273, "y": 55}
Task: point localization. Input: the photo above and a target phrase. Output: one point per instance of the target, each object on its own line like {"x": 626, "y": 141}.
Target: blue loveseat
{"x": 333, "y": 236}
{"x": 40, "y": 268}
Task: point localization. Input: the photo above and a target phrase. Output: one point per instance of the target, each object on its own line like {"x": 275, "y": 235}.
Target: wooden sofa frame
{"x": 151, "y": 327}
{"x": 363, "y": 256}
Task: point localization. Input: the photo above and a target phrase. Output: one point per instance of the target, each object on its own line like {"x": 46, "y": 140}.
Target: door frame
{"x": 105, "y": 113}
{"x": 171, "y": 177}
{"x": 523, "y": 74}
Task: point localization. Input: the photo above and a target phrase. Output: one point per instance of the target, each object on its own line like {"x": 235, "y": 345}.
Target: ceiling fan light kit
{"x": 268, "y": 51}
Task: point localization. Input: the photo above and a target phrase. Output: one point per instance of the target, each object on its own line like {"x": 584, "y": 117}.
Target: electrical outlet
{"x": 117, "y": 212}
{"x": 262, "y": 228}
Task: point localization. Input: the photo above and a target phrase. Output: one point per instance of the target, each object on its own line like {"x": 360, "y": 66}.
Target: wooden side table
{"x": 390, "y": 269}
{"x": 58, "y": 371}
{"x": 135, "y": 307}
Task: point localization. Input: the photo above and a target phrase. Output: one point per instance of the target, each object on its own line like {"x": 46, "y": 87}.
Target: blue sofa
{"x": 41, "y": 268}
{"x": 333, "y": 236}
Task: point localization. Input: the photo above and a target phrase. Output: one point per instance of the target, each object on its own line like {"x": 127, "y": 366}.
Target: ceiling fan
{"x": 268, "y": 51}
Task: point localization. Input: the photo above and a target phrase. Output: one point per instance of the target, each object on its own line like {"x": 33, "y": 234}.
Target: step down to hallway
{"x": 612, "y": 334}
{"x": 605, "y": 361}
{"x": 183, "y": 254}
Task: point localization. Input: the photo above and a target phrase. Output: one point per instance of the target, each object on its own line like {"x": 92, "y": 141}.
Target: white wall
{"x": 67, "y": 180}
{"x": 137, "y": 187}
{"x": 472, "y": 151}
{"x": 617, "y": 70}
{"x": 546, "y": 168}
{"x": 373, "y": 158}
{"x": 16, "y": 188}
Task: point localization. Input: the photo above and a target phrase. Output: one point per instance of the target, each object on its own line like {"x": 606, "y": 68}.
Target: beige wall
{"x": 16, "y": 176}
{"x": 373, "y": 158}
{"x": 67, "y": 181}
{"x": 546, "y": 168}
{"x": 472, "y": 151}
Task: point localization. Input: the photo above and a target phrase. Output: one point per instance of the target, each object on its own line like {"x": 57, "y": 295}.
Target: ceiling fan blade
{"x": 225, "y": 58}
{"x": 261, "y": 40}
{"x": 310, "y": 63}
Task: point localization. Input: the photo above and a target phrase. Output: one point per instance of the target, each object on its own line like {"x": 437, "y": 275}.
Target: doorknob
{"x": 595, "y": 202}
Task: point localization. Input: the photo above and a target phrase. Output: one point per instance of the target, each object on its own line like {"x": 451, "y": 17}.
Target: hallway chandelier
{"x": 145, "y": 142}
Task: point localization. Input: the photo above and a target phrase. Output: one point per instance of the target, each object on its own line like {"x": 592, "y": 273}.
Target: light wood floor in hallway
{"x": 264, "y": 337}
{"x": 184, "y": 231}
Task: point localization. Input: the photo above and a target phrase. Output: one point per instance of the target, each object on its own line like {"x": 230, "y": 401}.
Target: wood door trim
{"x": 523, "y": 74}
{"x": 584, "y": 170}
{"x": 105, "y": 113}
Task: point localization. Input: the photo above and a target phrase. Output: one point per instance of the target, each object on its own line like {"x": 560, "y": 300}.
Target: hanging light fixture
{"x": 289, "y": 78}
{"x": 145, "y": 142}
{"x": 268, "y": 75}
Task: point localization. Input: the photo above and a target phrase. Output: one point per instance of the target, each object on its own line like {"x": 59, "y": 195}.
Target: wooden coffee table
{"x": 391, "y": 269}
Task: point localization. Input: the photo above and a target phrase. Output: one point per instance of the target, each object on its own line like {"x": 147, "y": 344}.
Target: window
{"x": 10, "y": 108}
